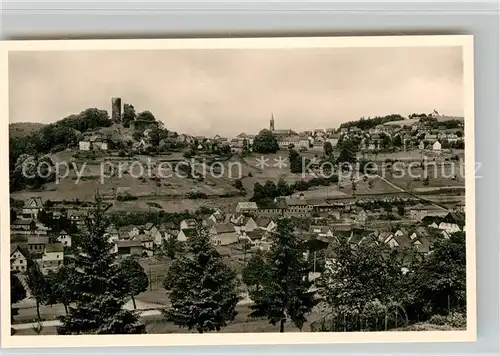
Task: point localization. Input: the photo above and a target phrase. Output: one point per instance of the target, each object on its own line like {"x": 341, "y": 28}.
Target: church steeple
{"x": 271, "y": 123}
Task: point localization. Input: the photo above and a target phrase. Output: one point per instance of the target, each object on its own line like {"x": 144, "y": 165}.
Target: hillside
{"x": 20, "y": 129}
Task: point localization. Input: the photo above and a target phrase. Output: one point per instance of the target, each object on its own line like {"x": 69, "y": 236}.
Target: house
{"x": 64, "y": 238}
{"x": 32, "y": 207}
{"x": 188, "y": 224}
{"x": 77, "y": 216}
{"x": 128, "y": 232}
{"x": 246, "y": 207}
{"x": 147, "y": 242}
{"x": 52, "y": 257}
{"x": 36, "y": 244}
{"x": 453, "y": 222}
{"x": 286, "y": 141}
{"x": 112, "y": 233}
{"x": 272, "y": 209}
{"x": 237, "y": 219}
{"x": 84, "y": 145}
{"x": 248, "y": 224}
{"x": 321, "y": 231}
{"x": 129, "y": 248}
{"x": 436, "y": 146}
{"x": 18, "y": 258}
{"x": 184, "y": 234}
{"x": 421, "y": 145}
{"x": 422, "y": 245}
{"x": 359, "y": 215}
{"x": 298, "y": 207}
{"x": 224, "y": 234}
{"x": 266, "y": 224}
{"x": 23, "y": 226}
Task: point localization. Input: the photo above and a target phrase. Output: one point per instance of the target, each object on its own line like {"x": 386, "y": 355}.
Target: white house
{"x": 52, "y": 257}
{"x": 246, "y": 207}
{"x": 18, "y": 259}
{"x": 266, "y": 224}
{"x": 32, "y": 207}
{"x": 321, "y": 231}
{"x": 453, "y": 222}
{"x": 84, "y": 145}
{"x": 436, "y": 146}
{"x": 64, "y": 238}
{"x": 188, "y": 224}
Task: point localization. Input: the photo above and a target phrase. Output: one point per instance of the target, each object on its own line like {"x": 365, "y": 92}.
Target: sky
{"x": 208, "y": 92}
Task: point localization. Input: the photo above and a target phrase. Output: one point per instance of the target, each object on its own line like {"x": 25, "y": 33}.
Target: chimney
{"x": 116, "y": 109}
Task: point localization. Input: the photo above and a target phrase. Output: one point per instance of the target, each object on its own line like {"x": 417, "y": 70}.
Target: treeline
{"x": 371, "y": 287}
{"x": 365, "y": 124}
{"x": 158, "y": 217}
{"x": 271, "y": 190}
{"x": 50, "y": 138}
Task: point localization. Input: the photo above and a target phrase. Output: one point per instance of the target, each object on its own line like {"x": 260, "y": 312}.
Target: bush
{"x": 438, "y": 320}
{"x": 196, "y": 195}
{"x": 457, "y": 320}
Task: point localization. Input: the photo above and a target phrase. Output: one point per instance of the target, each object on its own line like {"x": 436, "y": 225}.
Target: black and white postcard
{"x": 237, "y": 191}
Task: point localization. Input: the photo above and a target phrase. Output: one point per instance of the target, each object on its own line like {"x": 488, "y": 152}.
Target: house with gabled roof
{"x": 18, "y": 258}
{"x": 147, "y": 242}
{"x": 52, "y": 257}
{"x": 32, "y": 207}
{"x": 246, "y": 207}
{"x": 184, "y": 234}
{"x": 188, "y": 224}
{"x": 266, "y": 224}
{"x": 321, "y": 231}
{"x": 36, "y": 243}
{"x": 127, "y": 248}
{"x": 453, "y": 222}
{"x": 64, "y": 238}
{"x": 224, "y": 234}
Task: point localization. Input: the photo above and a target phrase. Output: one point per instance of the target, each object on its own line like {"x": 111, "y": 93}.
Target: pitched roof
{"x": 247, "y": 205}
{"x": 403, "y": 241}
{"x": 144, "y": 238}
{"x": 38, "y": 240}
{"x": 128, "y": 243}
{"x": 263, "y": 222}
{"x": 225, "y": 228}
{"x": 57, "y": 247}
{"x": 256, "y": 234}
{"x": 17, "y": 247}
{"x": 22, "y": 222}
{"x": 148, "y": 226}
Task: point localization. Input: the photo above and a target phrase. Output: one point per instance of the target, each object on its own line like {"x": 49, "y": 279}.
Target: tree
{"x": 285, "y": 292}
{"x": 238, "y": 184}
{"x": 397, "y": 141}
{"x": 134, "y": 276}
{"x": 60, "y": 288}
{"x": 100, "y": 291}
{"x": 255, "y": 271}
{"x": 441, "y": 277}
{"x": 386, "y": 141}
{"x": 258, "y": 192}
{"x": 128, "y": 115}
{"x": 347, "y": 153}
{"x": 201, "y": 288}
{"x": 328, "y": 148}
{"x": 17, "y": 293}
{"x": 357, "y": 276}
{"x": 146, "y": 116}
{"x": 265, "y": 142}
{"x": 37, "y": 285}
{"x": 270, "y": 191}
{"x": 283, "y": 189}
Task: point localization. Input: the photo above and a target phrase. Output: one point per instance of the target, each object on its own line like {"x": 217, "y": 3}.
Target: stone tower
{"x": 271, "y": 123}
{"x": 116, "y": 109}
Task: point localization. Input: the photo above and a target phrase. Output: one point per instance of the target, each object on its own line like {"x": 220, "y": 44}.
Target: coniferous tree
{"x": 100, "y": 291}
{"x": 135, "y": 277}
{"x": 285, "y": 293}
{"x": 202, "y": 289}
{"x": 37, "y": 285}
{"x": 17, "y": 292}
